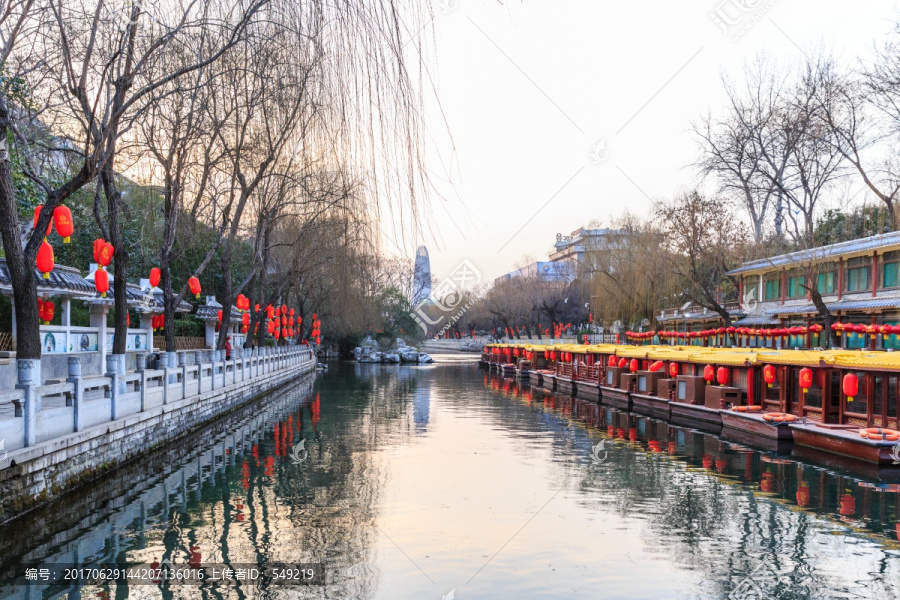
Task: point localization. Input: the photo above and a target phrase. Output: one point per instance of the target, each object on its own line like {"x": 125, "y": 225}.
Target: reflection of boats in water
{"x": 855, "y": 493}
{"x": 838, "y": 401}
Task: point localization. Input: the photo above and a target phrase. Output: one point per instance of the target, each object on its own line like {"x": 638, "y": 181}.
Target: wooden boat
{"x": 861, "y": 425}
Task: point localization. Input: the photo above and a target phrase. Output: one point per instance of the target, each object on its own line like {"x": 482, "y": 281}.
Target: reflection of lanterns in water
{"x": 654, "y": 445}
{"x": 848, "y": 505}
{"x": 196, "y": 557}
{"x": 245, "y": 475}
{"x": 898, "y": 531}
{"x": 672, "y": 447}
{"x": 707, "y": 461}
{"x": 632, "y": 434}
{"x": 270, "y": 466}
{"x": 721, "y": 465}
{"x": 768, "y": 482}
{"x": 620, "y": 433}
{"x": 803, "y": 494}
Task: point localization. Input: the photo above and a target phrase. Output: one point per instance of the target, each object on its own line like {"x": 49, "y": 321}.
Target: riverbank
{"x": 149, "y": 408}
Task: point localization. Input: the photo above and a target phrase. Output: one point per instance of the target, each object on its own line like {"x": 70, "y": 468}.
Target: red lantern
{"x": 194, "y": 285}
{"x": 105, "y": 254}
{"x": 709, "y": 373}
{"x": 318, "y": 340}
{"x": 851, "y": 386}
{"x": 162, "y": 321}
{"x": 219, "y": 316}
{"x": 62, "y": 219}
{"x": 769, "y": 374}
{"x": 37, "y": 215}
{"x": 44, "y": 260}
{"x": 656, "y": 366}
{"x": 270, "y": 327}
{"x": 47, "y": 311}
{"x": 553, "y": 355}
{"x": 673, "y": 370}
{"x": 806, "y": 379}
{"x": 270, "y": 312}
{"x": 621, "y": 363}
{"x": 634, "y": 365}
{"x": 277, "y": 334}
{"x": 101, "y": 282}
{"x": 154, "y": 322}
{"x": 155, "y": 274}
{"x": 291, "y": 312}
{"x": 315, "y": 316}
{"x": 612, "y": 360}
{"x": 245, "y": 319}
{"x": 722, "y": 375}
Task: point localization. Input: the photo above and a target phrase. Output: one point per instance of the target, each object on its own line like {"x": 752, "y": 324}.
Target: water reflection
{"x": 412, "y": 481}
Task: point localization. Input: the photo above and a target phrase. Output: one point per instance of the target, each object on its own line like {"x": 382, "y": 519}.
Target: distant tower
{"x": 422, "y": 275}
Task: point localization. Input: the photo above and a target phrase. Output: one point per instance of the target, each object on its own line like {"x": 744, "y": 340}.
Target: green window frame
{"x": 890, "y": 270}
{"x": 795, "y": 287}
{"x": 827, "y": 283}
{"x": 751, "y": 290}
{"x": 772, "y": 289}
{"x": 858, "y": 273}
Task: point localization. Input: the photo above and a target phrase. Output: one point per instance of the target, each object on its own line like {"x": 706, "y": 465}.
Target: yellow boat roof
{"x": 809, "y": 358}
{"x": 725, "y": 356}
{"x": 889, "y": 361}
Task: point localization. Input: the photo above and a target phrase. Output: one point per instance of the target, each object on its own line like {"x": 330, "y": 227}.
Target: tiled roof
{"x": 862, "y": 245}
{"x": 836, "y": 306}
{"x": 699, "y": 316}
{"x": 756, "y": 321}
{"x": 66, "y": 280}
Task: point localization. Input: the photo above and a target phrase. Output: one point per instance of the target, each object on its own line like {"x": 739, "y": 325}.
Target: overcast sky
{"x": 529, "y": 89}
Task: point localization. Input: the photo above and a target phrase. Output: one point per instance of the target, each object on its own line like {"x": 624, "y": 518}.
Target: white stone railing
{"x": 33, "y": 413}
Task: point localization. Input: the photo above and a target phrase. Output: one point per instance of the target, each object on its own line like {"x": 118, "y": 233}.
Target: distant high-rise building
{"x": 422, "y": 275}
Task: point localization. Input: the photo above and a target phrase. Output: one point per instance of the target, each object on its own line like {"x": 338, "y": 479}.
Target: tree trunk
{"x": 120, "y": 272}
{"x": 21, "y": 272}
{"x": 827, "y": 318}
{"x": 168, "y": 309}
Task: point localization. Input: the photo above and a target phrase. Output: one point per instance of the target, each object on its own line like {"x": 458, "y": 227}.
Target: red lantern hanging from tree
{"x": 155, "y": 275}
{"x": 105, "y": 254}
{"x": 101, "y": 282}
{"x": 245, "y": 319}
{"x": 62, "y": 220}
{"x": 37, "y": 215}
{"x": 194, "y": 285}
{"x": 47, "y": 311}
{"x": 45, "y": 262}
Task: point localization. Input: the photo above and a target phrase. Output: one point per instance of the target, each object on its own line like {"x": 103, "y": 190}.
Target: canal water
{"x": 447, "y": 482}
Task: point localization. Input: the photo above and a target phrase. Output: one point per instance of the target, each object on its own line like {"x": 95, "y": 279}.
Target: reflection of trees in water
{"x": 234, "y": 500}
{"x": 700, "y": 513}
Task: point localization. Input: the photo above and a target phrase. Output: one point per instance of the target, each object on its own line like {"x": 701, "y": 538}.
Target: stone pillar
{"x": 29, "y": 377}
{"x": 140, "y": 365}
{"x": 147, "y": 326}
{"x": 182, "y": 364}
{"x": 112, "y": 371}
{"x": 78, "y": 391}
{"x": 98, "y": 320}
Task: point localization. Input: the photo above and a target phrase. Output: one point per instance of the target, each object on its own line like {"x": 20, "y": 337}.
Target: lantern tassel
{"x": 67, "y": 239}
{"x": 46, "y": 275}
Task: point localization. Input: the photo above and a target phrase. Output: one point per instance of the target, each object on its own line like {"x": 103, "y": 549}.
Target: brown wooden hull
{"x": 743, "y": 437}
{"x": 753, "y": 423}
{"x": 549, "y": 382}
{"x": 843, "y": 442}
{"x": 564, "y": 385}
{"x": 651, "y": 405}
{"x": 697, "y": 416}
{"x": 523, "y": 375}
{"x": 508, "y": 369}
{"x": 587, "y": 390}
{"x": 615, "y": 397}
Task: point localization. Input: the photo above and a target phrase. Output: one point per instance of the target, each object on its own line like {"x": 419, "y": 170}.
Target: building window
{"x": 795, "y": 287}
{"x": 751, "y": 290}
{"x": 890, "y": 269}
{"x": 772, "y": 288}
{"x": 827, "y": 283}
{"x": 858, "y": 274}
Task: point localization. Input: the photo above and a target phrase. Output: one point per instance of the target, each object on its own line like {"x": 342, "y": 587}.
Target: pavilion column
{"x": 98, "y": 320}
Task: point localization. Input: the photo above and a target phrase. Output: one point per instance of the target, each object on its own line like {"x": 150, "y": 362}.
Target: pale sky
{"x": 529, "y": 88}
